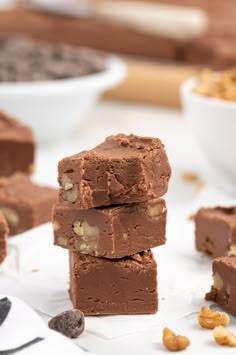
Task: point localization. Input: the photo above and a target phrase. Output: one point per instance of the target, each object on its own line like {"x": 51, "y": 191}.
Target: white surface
{"x": 214, "y": 124}
{"x": 22, "y": 325}
{"x": 54, "y": 108}
{"x": 184, "y": 274}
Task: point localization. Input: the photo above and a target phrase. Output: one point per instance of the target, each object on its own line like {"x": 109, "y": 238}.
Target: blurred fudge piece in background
{"x": 3, "y": 234}
{"x": 120, "y": 37}
{"x": 17, "y": 146}
{"x": 24, "y": 204}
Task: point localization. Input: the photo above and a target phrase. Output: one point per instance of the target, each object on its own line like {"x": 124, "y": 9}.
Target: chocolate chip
{"x": 69, "y": 323}
{"x": 5, "y": 307}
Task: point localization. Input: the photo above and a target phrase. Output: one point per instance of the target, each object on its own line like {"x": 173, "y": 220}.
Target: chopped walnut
{"x": 224, "y": 337}
{"x": 217, "y": 281}
{"x": 11, "y": 216}
{"x": 174, "y": 342}
{"x": 209, "y": 319}
{"x": 84, "y": 230}
{"x": 156, "y": 210}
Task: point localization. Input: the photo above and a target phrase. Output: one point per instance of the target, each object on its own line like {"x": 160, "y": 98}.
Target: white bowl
{"x": 54, "y": 108}
{"x": 213, "y": 122}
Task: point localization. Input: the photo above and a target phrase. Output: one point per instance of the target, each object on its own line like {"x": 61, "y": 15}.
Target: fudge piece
{"x": 123, "y": 169}
{"x": 25, "y": 204}
{"x": 122, "y": 286}
{"x": 111, "y": 232}
{"x": 223, "y": 291}
{"x": 215, "y": 232}
{"x": 3, "y": 234}
{"x": 17, "y": 147}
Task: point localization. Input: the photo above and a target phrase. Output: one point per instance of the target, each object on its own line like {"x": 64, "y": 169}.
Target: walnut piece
{"x": 56, "y": 226}
{"x": 70, "y": 192}
{"x": 70, "y": 195}
{"x": 86, "y": 248}
{"x": 156, "y": 210}
{"x": 232, "y": 249}
{"x": 62, "y": 241}
{"x": 66, "y": 182}
{"x": 11, "y": 216}
{"x": 209, "y": 319}
{"x": 174, "y": 342}
{"x": 85, "y": 231}
{"x": 218, "y": 283}
{"x": 224, "y": 337}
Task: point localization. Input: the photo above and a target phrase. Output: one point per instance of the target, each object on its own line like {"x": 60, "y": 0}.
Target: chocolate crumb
{"x": 5, "y": 307}
{"x": 69, "y": 323}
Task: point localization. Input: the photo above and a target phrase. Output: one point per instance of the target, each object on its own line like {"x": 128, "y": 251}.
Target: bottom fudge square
{"x": 100, "y": 286}
{"x": 3, "y": 234}
{"x": 215, "y": 232}
{"x": 223, "y": 290}
{"x": 24, "y": 204}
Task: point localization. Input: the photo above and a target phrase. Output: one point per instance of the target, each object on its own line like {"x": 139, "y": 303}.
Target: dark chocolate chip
{"x": 69, "y": 323}
{"x": 5, "y": 307}
{"x": 26, "y": 345}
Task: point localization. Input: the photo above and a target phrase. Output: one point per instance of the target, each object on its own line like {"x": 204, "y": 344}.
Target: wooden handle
{"x": 150, "y": 82}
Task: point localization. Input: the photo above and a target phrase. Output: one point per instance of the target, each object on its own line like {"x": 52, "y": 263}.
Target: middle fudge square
{"x": 100, "y": 286}
{"x": 123, "y": 169}
{"x": 215, "y": 230}
{"x": 111, "y": 232}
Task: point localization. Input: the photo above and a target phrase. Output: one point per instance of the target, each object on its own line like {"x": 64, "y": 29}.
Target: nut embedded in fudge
{"x": 3, "y": 234}
{"x": 111, "y": 232}
{"x": 25, "y": 204}
{"x": 17, "y": 147}
{"x": 100, "y": 286}
{"x": 215, "y": 232}
{"x": 223, "y": 290}
{"x": 123, "y": 169}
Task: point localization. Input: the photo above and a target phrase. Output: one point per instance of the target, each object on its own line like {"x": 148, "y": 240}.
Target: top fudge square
{"x": 17, "y": 147}
{"x": 123, "y": 169}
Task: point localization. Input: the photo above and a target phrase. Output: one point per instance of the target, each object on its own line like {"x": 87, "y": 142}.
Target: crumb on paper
{"x": 35, "y": 270}
{"x": 189, "y": 176}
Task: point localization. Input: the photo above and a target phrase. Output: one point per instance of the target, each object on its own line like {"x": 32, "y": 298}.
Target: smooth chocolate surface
{"x": 17, "y": 146}
{"x": 25, "y": 204}
{"x": 215, "y": 232}
{"x": 223, "y": 291}
{"x": 111, "y": 232}
{"x": 123, "y": 169}
{"x": 100, "y": 286}
{"x": 3, "y": 234}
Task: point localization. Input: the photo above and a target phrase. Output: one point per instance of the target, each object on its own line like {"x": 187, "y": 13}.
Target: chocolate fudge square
{"x": 17, "y": 147}
{"x": 111, "y": 232}
{"x": 3, "y": 234}
{"x": 123, "y": 169}
{"x": 215, "y": 230}
{"x": 223, "y": 290}
{"x": 100, "y": 286}
{"x": 25, "y": 204}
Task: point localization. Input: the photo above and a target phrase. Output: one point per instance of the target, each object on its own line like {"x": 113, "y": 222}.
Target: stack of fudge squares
{"x": 23, "y": 204}
{"x": 215, "y": 235}
{"x": 110, "y": 214}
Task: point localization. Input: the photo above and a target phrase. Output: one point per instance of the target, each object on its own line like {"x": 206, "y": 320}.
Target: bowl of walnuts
{"x": 209, "y": 105}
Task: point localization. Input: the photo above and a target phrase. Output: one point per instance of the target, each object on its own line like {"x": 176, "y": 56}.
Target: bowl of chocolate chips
{"x": 51, "y": 87}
